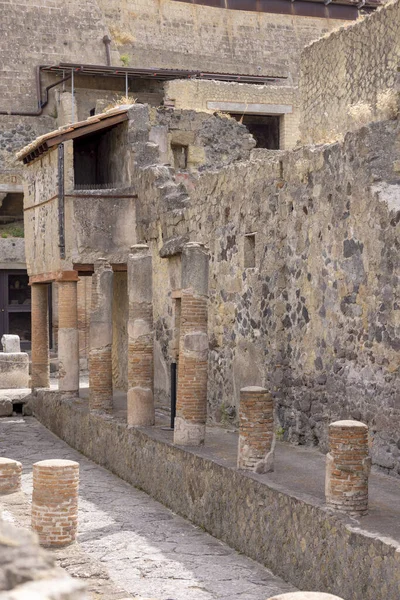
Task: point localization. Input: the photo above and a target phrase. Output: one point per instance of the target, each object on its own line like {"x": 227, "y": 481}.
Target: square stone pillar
{"x": 101, "y": 333}
{"x": 68, "y": 340}
{"x": 40, "y": 336}
{"x": 191, "y": 406}
{"x": 140, "y": 335}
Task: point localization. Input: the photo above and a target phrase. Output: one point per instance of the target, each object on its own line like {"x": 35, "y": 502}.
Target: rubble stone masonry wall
{"x": 348, "y": 79}
{"x": 315, "y": 317}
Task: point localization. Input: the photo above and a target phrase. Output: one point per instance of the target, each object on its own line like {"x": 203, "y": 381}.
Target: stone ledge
{"x": 298, "y": 538}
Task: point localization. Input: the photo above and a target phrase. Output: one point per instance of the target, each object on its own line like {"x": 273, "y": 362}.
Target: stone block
{"x": 11, "y": 343}
{"x": 14, "y": 370}
{"x": 6, "y": 407}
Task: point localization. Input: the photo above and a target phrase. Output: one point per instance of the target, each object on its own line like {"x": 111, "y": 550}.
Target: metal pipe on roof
{"x": 41, "y": 104}
{"x": 107, "y": 42}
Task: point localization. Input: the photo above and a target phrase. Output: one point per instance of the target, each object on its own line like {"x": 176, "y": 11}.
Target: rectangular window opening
{"x": 264, "y": 129}
{"x": 250, "y": 251}
{"x": 180, "y": 153}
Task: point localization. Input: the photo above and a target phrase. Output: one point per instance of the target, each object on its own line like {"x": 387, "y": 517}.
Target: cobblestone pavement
{"x": 128, "y": 543}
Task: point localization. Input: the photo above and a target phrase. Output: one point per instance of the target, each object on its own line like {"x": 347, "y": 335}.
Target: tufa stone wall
{"x": 348, "y": 79}
{"x": 184, "y": 36}
{"x": 314, "y": 315}
{"x": 198, "y": 94}
{"x": 54, "y": 32}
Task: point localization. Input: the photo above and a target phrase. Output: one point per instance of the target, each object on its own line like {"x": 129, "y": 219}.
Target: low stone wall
{"x": 296, "y": 537}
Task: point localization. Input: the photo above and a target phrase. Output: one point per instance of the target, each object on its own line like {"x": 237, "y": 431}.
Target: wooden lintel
{"x": 88, "y": 268}
{"x": 81, "y": 131}
{"x": 54, "y": 276}
{"x": 176, "y": 294}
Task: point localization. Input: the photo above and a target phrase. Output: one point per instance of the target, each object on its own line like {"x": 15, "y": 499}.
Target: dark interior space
{"x": 93, "y": 160}
{"x": 264, "y": 128}
{"x": 12, "y": 206}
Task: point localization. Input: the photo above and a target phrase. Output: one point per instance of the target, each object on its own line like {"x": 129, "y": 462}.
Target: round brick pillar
{"x": 55, "y": 501}
{"x": 256, "y": 430}
{"x": 10, "y": 476}
{"x": 347, "y": 467}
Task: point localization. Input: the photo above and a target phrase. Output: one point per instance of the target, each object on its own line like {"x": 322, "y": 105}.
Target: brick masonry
{"x": 192, "y": 370}
{"x": 55, "y": 501}
{"x": 256, "y": 430}
{"x": 347, "y": 467}
{"x": 294, "y": 536}
{"x": 10, "y": 475}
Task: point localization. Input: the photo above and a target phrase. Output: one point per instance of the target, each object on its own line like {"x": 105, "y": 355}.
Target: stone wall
{"x": 12, "y": 253}
{"x": 270, "y": 99}
{"x": 316, "y": 319}
{"x": 185, "y": 36}
{"x": 348, "y": 79}
{"x": 28, "y": 571}
{"x": 295, "y": 536}
{"x": 53, "y": 32}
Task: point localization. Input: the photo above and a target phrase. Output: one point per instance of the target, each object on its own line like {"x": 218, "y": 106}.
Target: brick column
{"x": 68, "y": 340}
{"x": 55, "y": 501}
{"x": 191, "y": 406}
{"x": 140, "y": 334}
{"x": 100, "y": 362}
{"x": 347, "y": 467}
{"x": 10, "y": 476}
{"x": 40, "y": 336}
{"x": 256, "y": 430}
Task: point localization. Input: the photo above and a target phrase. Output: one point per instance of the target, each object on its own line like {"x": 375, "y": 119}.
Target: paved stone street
{"x": 129, "y": 544}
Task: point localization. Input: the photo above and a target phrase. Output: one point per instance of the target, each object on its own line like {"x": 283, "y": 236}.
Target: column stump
{"x": 55, "y": 502}
{"x": 10, "y": 476}
{"x": 347, "y": 468}
{"x": 256, "y": 430}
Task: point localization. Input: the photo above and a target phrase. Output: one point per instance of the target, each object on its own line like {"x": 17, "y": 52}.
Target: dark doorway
{"x": 264, "y": 129}
{"x": 15, "y": 306}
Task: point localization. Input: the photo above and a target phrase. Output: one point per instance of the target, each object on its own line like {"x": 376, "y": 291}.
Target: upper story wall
{"x": 154, "y": 33}
{"x": 33, "y": 34}
{"x": 348, "y": 79}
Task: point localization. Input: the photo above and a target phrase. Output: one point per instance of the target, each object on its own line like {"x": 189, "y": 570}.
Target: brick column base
{"x": 347, "y": 467}
{"x": 10, "y": 476}
{"x": 55, "y": 502}
{"x": 256, "y": 430}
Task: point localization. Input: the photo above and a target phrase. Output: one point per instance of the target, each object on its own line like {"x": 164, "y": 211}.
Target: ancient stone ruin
{"x": 207, "y": 296}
